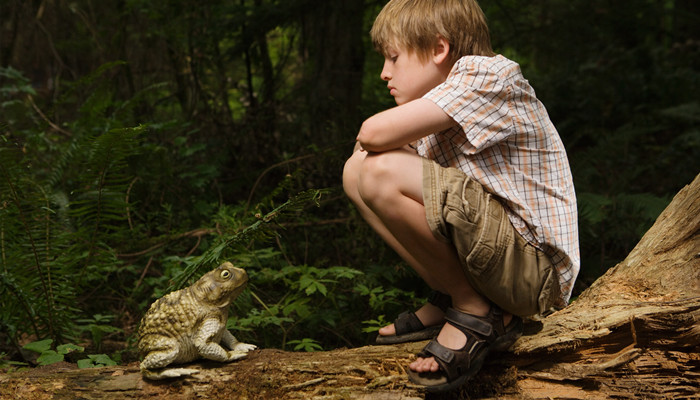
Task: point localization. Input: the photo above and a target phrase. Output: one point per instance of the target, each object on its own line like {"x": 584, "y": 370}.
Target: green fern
{"x": 62, "y": 209}
{"x": 26, "y": 237}
{"x": 261, "y": 230}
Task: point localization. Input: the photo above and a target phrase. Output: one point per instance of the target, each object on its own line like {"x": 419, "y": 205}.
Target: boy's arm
{"x": 401, "y": 125}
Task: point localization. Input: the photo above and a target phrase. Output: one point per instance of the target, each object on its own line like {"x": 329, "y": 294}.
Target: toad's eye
{"x": 225, "y": 274}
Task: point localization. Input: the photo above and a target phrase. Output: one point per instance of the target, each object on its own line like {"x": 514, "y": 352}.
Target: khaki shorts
{"x": 496, "y": 260}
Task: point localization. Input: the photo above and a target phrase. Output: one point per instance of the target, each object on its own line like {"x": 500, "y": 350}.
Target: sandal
{"x": 410, "y": 329}
{"x": 484, "y": 334}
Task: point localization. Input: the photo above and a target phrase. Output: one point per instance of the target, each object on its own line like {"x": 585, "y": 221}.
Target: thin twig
{"x": 196, "y": 245}
{"x": 46, "y": 119}
{"x": 195, "y": 233}
{"x": 128, "y": 209}
{"x": 315, "y": 223}
{"x": 304, "y": 384}
{"x": 143, "y": 274}
{"x": 268, "y": 169}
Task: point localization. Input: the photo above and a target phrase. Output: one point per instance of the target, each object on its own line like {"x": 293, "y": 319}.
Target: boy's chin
{"x": 402, "y": 100}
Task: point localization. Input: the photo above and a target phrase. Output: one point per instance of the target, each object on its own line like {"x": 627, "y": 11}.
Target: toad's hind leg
{"x": 160, "y": 358}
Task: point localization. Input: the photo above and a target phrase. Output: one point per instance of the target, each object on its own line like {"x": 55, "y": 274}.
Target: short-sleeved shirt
{"x": 505, "y": 140}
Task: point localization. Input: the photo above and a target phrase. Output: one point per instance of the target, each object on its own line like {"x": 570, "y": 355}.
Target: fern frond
{"x": 98, "y": 204}
{"x": 52, "y": 234}
{"x": 15, "y": 302}
{"x": 23, "y": 217}
{"x": 261, "y": 230}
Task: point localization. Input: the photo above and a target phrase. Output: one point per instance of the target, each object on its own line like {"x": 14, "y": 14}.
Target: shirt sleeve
{"x": 476, "y": 96}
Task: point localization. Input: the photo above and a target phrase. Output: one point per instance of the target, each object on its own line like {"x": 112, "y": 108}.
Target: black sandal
{"x": 410, "y": 329}
{"x": 484, "y": 334}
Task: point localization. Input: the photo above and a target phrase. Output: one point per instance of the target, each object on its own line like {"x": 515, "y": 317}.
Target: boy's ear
{"x": 441, "y": 52}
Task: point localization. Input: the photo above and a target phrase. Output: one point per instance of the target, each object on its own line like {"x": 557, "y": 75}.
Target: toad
{"x": 190, "y": 323}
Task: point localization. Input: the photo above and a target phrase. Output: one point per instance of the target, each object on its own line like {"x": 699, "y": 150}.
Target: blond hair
{"x": 416, "y": 24}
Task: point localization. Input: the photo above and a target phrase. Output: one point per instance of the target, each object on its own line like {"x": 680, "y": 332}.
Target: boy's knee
{"x": 351, "y": 172}
{"x": 375, "y": 177}
{"x": 378, "y": 167}
{"x": 371, "y": 178}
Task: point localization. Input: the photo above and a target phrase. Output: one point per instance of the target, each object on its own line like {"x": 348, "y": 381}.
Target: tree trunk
{"x": 333, "y": 39}
{"x": 635, "y": 333}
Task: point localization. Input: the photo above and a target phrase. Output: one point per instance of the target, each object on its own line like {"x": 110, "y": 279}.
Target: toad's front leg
{"x": 232, "y": 343}
{"x": 207, "y": 342}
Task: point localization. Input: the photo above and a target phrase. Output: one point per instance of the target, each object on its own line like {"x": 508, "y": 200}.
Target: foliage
{"x": 48, "y": 356}
{"x": 96, "y": 361}
{"x": 141, "y": 143}
{"x": 98, "y": 326}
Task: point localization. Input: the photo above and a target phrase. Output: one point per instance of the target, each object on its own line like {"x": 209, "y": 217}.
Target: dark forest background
{"x": 142, "y": 142}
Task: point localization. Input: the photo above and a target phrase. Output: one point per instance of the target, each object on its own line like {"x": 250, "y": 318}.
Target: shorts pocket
{"x": 463, "y": 232}
{"x": 463, "y": 211}
{"x": 487, "y": 250}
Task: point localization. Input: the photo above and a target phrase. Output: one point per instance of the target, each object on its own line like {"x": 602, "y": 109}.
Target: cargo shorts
{"x": 497, "y": 261}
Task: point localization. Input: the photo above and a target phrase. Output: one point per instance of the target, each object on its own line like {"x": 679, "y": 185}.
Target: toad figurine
{"x": 190, "y": 323}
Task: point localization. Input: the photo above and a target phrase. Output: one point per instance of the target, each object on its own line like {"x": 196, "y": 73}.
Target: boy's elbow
{"x": 369, "y": 137}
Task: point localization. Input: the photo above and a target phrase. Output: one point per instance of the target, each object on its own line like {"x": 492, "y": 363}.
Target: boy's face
{"x": 408, "y": 76}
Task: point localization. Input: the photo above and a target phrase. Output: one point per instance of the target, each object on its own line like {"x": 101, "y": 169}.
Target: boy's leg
{"x": 388, "y": 190}
{"x": 428, "y": 314}
{"x": 351, "y": 184}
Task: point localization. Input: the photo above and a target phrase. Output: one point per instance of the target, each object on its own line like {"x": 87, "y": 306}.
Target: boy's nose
{"x": 385, "y": 74}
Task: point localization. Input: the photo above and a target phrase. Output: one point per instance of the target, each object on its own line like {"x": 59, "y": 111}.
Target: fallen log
{"x": 635, "y": 333}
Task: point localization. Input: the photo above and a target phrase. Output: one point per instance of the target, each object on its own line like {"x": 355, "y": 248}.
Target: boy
{"x": 468, "y": 180}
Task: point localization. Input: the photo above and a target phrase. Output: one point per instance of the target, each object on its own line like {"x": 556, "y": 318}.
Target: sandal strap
{"x": 407, "y": 322}
{"x": 437, "y": 350}
{"x": 495, "y": 318}
{"x": 469, "y": 322}
{"x": 482, "y": 337}
{"x": 454, "y": 363}
{"x": 440, "y": 300}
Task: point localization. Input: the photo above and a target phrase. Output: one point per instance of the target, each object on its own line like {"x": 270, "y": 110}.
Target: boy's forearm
{"x": 399, "y": 126}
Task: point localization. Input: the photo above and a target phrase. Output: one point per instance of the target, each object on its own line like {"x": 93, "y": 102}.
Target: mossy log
{"x": 635, "y": 333}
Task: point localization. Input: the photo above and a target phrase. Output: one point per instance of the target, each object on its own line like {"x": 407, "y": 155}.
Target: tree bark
{"x": 635, "y": 333}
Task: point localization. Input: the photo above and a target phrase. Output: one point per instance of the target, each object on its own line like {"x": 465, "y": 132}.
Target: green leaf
{"x": 95, "y": 361}
{"x": 69, "y": 348}
{"x": 374, "y": 325}
{"x": 299, "y": 307}
{"x": 306, "y": 344}
{"x": 344, "y": 272}
{"x": 49, "y": 357}
{"x": 39, "y": 346}
{"x": 102, "y": 359}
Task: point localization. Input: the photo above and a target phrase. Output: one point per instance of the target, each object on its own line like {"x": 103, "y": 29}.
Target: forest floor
{"x": 626, "y": 364}
{"x": 370, "y": 372}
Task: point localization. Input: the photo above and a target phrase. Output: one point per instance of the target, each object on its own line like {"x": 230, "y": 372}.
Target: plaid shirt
{"x": 505, "y": 140}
